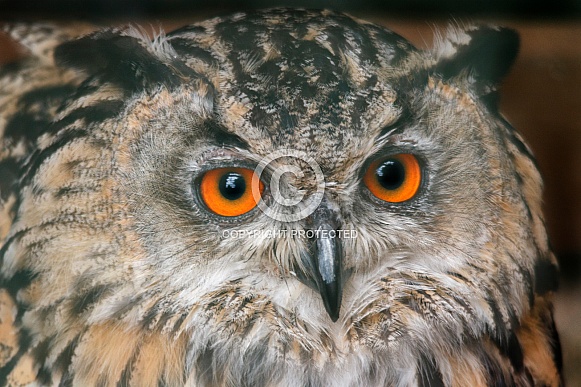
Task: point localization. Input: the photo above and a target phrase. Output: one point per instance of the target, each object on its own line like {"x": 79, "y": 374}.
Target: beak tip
{"x": 334, "y": 316}
{"x": 332, "y": 299}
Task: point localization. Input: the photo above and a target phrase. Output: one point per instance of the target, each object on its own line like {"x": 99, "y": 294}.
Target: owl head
{"x": 280, "y": 187}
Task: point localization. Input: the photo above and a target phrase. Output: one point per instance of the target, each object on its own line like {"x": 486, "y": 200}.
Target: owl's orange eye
{"x": 394, "y": 179}
{"x": 228, "y": 191}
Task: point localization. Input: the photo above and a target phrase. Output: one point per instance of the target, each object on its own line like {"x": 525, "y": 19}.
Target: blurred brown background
{"x": 541, "y": 97}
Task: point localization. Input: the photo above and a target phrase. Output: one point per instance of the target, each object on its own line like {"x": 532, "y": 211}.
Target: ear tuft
{"x": 484, "y": 53}
{"x": 118, "y": 58}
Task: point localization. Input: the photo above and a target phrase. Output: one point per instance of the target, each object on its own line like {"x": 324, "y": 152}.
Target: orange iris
{"x": 228, "y": 191}
{"x": 394, "y": 179}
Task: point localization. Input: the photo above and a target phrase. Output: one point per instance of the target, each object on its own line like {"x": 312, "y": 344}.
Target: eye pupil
{"x": 390, "y": 174}
{"x": 232, "y": 185}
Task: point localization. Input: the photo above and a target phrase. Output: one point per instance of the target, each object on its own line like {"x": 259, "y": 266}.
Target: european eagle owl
{"x": 273, "y": 198}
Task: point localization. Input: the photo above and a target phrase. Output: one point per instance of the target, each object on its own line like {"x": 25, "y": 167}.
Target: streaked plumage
{"x": 114, "y": 273}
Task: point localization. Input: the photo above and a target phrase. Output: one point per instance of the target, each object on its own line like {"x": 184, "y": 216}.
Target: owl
{"x": 282, "y": 197}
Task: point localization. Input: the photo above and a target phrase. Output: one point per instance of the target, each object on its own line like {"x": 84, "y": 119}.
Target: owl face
{"x": 334, "y": 103}
{"x": 283, "y": 187}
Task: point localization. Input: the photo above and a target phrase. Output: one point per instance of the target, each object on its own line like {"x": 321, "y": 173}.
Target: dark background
{"x": 541, "y": 96}
{"x": 405, "y": 8}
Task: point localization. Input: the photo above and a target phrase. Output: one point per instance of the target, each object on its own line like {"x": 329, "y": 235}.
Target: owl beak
{"x": 327, "y": 260}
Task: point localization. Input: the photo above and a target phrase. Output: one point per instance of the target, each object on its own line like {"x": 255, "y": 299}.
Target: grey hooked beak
{"x": 324, "y": 263}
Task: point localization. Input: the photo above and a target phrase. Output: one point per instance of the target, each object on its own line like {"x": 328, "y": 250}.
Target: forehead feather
{"x": 296, "y": 74}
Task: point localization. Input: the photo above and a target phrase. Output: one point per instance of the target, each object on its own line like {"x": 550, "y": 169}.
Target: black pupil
{"x": 232, "y": 185}
{"x": 390, "y": 174}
